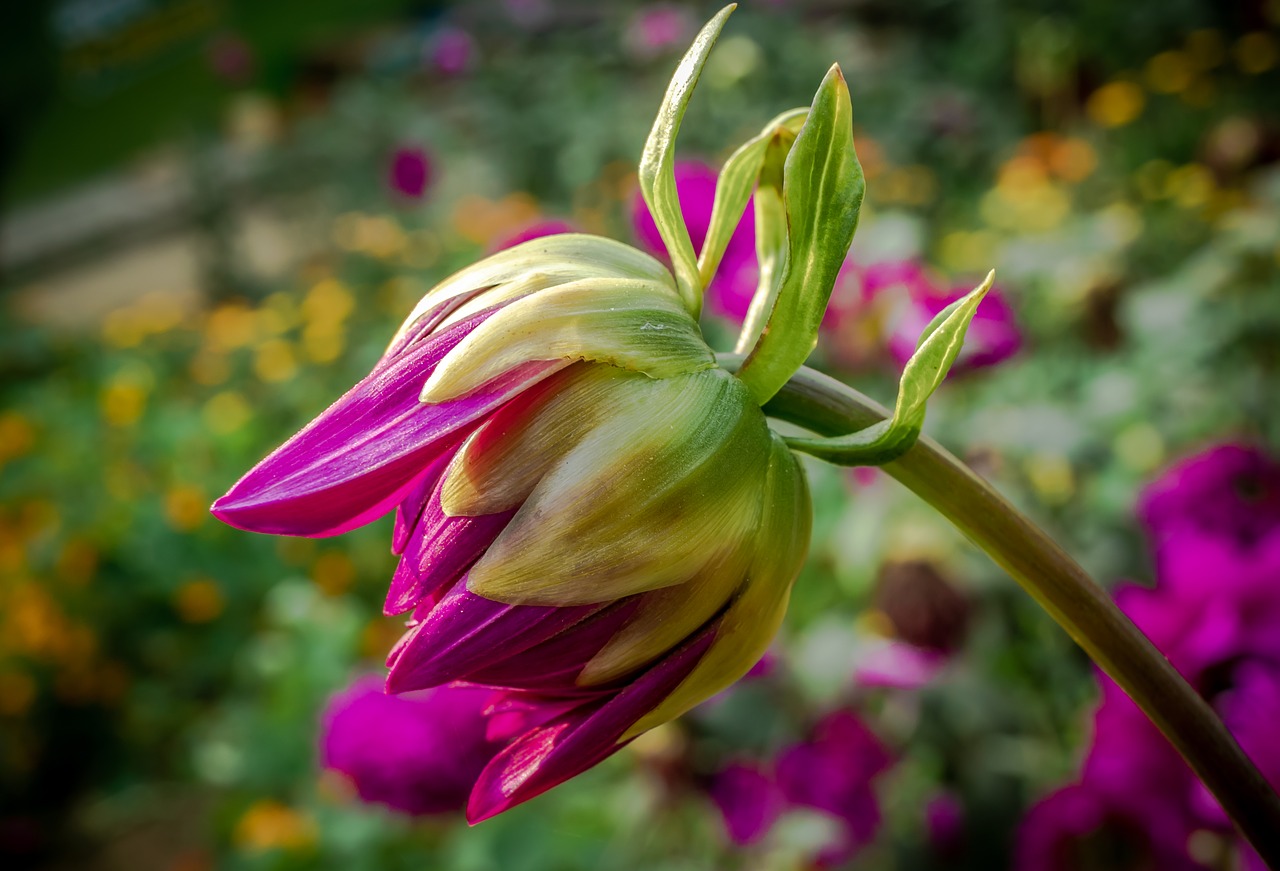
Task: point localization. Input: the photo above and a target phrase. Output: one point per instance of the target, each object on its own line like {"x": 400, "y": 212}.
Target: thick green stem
{"x": 827, "y": 407}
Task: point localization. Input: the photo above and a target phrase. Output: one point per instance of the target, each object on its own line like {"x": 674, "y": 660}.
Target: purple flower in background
{"x": 450, "y": 51}
{"x": 993, "y": 335}
{"x": 730, "y": 291}
{"x": 1229, "y": 491}
{"x": 419, "y": 753}
{"x": 410, "y": 172}
{"x": 536, "y": 231}
{"x": 834, "y": 772}
{"x": 944, "y": 824}
{"x": 749, "y": 801}
{"x": 1082, "y": 828}
{"x": 231, "y": 59}
{"x": 658, "y": 29}
{"x": 1215, "y": 613}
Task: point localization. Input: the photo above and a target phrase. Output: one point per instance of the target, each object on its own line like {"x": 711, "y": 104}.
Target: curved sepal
{"x": 822, "y": 192}
{"x": 889, "y": 439}
{"x": 657, "y": 164}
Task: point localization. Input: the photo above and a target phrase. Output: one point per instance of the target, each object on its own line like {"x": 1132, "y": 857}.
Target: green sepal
{"x": 822, "y": 191}
{"x": 657, "y": 164}
{"x": 771, "y": 238}
{"x": 887, "y": 440}
{"x": 733, "y": 188}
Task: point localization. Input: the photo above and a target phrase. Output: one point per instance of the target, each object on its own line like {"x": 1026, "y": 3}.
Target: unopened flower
{"x": 419, "y": 753}
{"x": 591, "y": 515}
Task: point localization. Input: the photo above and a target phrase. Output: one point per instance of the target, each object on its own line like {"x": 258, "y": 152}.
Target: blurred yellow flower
{"x": 1051, "y": 477}
{"x": 1115, "y": 104}
{"x": 270, "y": 825}
{"x": 333, "y": 572}
{"x": 122, "y": 404}
{"x": 275, "y": 361}
{"x": 1206, "y": 48}
{"x": 17, "y": 692}
{"x": 198, "y": 600}
{"x": 1170, "y": 72}
{"x": 186, "y": 507}
{"x": 1256, "y": 52}
{"x": 17, "y": 436}
{"x": 1073, "y": 160}
{"x": 225, "y": 412}
{"x": 230, "y": 326}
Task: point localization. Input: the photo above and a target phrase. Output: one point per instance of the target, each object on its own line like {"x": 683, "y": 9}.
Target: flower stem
{"x": 827, "y": 407}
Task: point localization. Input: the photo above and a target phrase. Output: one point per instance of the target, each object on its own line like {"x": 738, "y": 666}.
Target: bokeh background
{"x": 216, "y": 212}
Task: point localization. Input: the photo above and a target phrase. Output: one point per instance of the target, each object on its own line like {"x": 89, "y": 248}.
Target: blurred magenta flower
{"x": 1082, "y": 828}
{"x": 993, "y": 335}
{"x": 550, "y": 227}
{"x": 231, "y": 59}
{"x": 944, "y": 823}
{"x": 591, "y": 516}
{"x": 1215, "y": 613}
{"x": 419, "y": 753}
{"x": 1229, "y": 491}
{"x": 658, "y": 29}
{"x": 450, "y": 51}
{"x": 730, "y": 291}
{"x": 833, "y": 772}
{"x": 749, "y": 801}
{"x": 410, "y": 172}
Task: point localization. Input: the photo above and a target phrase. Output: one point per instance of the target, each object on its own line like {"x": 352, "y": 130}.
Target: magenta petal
{"x": 466, "y": 632}
{"x": 409, "y": 511}
{"x": 554, "y": 665}
{"x": 366, "y": 452}
{"x": 568, "y": 745}
{"x": 440, "y": 550}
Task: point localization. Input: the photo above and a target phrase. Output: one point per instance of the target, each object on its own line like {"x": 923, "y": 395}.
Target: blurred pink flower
{"x": 418, "y": 752}
{"x": 410, "y": 172}
{"x": 749, "y": 802}
{"x": 1082, "y": 827}
{"x": 231, "y": 58}
{"x": 658, "y": 29}
{"x": 833, "y": 773}
{"x": 450, "y": 51}
{"x": 730, "y": 291}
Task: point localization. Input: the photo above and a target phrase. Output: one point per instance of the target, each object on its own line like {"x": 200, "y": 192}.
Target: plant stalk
{"x": 1088, "y": 614}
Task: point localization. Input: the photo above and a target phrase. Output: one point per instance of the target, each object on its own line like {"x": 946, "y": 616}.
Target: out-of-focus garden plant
{"x": 163, "y": 678}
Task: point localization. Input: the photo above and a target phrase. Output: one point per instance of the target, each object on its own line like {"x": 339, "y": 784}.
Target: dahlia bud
{"x": 593, "y": 518}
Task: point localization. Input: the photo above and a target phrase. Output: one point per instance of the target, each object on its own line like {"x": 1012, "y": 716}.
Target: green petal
{"x": 645, "y": 500}
{"x": 629, "y": 323}
{"x": 753, "y": 618}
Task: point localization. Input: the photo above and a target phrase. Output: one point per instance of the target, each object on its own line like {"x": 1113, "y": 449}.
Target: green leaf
{"x": 822, "y": 192}
{"x": 887, "y": 440}
{"x": 771, "y": 238}
{"x": 657, "y": 164}
{"x": 733, "y": 188}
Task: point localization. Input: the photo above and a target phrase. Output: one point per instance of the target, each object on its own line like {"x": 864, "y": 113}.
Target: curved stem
{"x": 827, "y": 407}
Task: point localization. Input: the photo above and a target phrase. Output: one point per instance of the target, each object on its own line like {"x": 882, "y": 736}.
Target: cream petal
{"x": 628, "y": 323}
{"x": 500, "y": 464}
{"x": 559, "y": 259}
{"x": 753, "y": 618}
